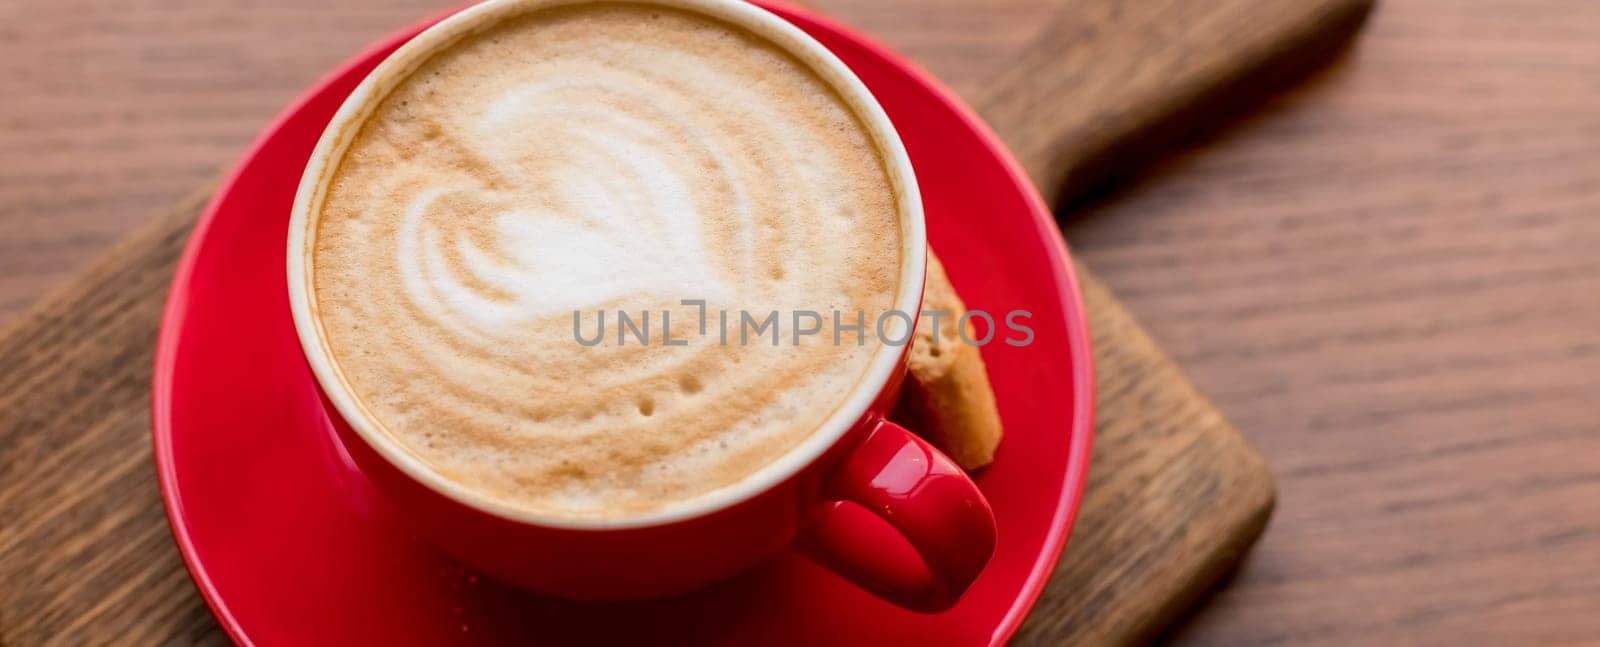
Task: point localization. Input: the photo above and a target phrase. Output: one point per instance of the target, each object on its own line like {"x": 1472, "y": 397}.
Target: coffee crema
{"x": 604, "y": 156}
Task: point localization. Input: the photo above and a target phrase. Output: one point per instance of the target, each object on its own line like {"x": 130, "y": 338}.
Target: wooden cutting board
{"x": 1175, "y": 495}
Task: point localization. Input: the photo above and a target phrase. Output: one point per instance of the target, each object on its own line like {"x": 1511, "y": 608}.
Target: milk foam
{"x": 588, "y": 158}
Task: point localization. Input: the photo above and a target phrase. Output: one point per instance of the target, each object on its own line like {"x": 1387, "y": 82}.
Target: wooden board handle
{"x": 1109, "y": 83}
{"x": 1175, "y": 495}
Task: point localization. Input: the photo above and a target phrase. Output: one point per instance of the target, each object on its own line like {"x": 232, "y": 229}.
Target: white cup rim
{"x": 398, "y": 65}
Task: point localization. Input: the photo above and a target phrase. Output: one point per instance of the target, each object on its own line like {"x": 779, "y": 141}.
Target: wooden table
{"x": 1386, "y": 276}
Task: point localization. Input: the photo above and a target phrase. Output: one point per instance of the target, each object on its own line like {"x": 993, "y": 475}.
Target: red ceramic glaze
{"x": 947, "y": 528}
{"x": 924, "y": 497}
{"x": 290, "y": 543}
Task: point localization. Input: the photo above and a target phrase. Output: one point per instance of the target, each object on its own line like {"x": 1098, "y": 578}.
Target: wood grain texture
{"x": 1383, "y": 276}
{"x": 1125, "y": 55}
{"x": 1177, "y": 496}
{"x": 1388, "y": 277}
{"x": 85, "y": 553}
{"x": 113, "y": 111}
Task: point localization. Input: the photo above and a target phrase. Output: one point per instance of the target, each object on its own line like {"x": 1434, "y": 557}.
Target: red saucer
{"x": 289, "y": 544}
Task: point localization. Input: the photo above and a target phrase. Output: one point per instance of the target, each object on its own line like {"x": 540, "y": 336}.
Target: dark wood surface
{"x": 1384, "y": 276}
{"x": 85, "y": 553}
{"x": 1388, "y": 278}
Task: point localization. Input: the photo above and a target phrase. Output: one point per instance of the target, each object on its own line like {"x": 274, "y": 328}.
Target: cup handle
{"x": 922, "y": 495}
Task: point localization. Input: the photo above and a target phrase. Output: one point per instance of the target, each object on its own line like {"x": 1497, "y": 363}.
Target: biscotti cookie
{"x": 947, "y": 394}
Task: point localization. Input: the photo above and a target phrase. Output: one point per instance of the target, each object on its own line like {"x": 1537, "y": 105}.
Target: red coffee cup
{"x": 856, "y": 458}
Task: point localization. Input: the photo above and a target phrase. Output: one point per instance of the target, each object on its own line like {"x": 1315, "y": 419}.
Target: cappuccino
{"x": 602, "y": 157}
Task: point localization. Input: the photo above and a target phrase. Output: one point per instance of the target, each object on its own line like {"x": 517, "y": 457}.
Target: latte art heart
{"x": 539, "y": 264}
{"x": 588, "y": 158}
